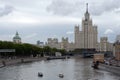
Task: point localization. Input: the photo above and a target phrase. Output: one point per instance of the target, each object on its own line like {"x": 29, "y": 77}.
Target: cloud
{"x": 6, "y": 37}
{"x": 31, "y": 36}
{"x": 63, "y": 7}
{"x": 104, "y": 6}
{"x": 117, "y": 11}
{"x": 5, "y": 10}
{"x": 66, "y": 7}
{"x": 49, "y": 17}
{"x": 108, "y": 31}
{"x": 69, "y": 32}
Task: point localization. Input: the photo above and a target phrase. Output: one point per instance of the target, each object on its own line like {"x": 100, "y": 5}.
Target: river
{"x": 73, "y": 69}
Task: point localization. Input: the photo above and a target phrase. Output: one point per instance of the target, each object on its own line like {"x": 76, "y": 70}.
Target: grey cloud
{"x": 117, "y": 11}
{"x": 63, "y": 7}
{"x": 67, "y": 7}
{"x": 105, "y": 6}
{"x": 5, "y": 10}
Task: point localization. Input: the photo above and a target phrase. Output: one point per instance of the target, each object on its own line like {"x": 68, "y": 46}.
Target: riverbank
{"x": 6, "y": 62}
{"x": 112, "y": 69}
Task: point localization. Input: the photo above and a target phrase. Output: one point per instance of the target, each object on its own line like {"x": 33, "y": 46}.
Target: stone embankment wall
{"x": 113, "y": 69}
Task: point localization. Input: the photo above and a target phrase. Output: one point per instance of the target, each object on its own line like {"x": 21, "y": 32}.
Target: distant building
{"x": 64, "y": 44}
{"x": 71, "y": 46}
{"x": 16, "y": 38}
{"x": 105, "y": 45}
{"x": 40, "y": 44}
{"x": 53, "y": 43}
{"x": 87, "y": 37}
{"x": 116, "y": 50}
{"x": 118, "y": 38}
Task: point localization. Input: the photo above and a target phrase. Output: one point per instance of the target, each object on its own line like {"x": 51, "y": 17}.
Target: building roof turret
{"x": 16, "y": 36}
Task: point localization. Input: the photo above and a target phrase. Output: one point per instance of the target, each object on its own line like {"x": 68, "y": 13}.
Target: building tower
{"x": 16, "y": 38}
{"x": 103, "y": 44}
{"x": 76, "y": 30}
{"x": 53, "y": 43}
{"x": 64, "y": 43}
{"x": 86, "y": 38}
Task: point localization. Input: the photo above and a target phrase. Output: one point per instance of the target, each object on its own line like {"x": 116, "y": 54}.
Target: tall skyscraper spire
{"x": 87, "y": 13}
{"x": 17, "y": 33}
{"x": 87, "y": 7}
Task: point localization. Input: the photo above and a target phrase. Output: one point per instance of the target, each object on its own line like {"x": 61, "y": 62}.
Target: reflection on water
{"x": 73, "y": 69}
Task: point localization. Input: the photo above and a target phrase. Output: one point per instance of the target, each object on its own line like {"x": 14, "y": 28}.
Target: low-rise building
{"x": 64, "y": 44}
{"x": 53, "y": 43}
{"x": 71, "y": 46}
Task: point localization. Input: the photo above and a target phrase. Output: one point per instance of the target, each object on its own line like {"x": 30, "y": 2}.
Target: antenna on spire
{"x": 86, "y": 7}
{"x": 17, "y": 33}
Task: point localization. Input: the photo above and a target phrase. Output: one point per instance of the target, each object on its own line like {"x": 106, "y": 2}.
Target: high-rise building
{"x": 16, "y": 38}
{"x": 86, "y": 38}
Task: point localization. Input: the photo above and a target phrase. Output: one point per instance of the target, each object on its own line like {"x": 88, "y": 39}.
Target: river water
{"x": 73, "y": 69}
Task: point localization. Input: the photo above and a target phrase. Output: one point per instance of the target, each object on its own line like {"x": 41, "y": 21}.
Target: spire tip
{"x": 86, "y": 7}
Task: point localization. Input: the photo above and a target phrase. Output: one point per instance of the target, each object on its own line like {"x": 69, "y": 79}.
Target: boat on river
{"x": 61, "y": 75}
{"x": 40, "y": 74}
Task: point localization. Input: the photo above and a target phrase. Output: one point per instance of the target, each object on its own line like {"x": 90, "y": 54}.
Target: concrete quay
{"x": 112, "y": 69}
{"x": 6, "y": 62}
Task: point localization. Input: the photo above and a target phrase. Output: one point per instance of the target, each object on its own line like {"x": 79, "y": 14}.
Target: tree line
{"x": 26, "y": 50}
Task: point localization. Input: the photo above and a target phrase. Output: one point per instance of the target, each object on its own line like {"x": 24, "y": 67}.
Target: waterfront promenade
{"x": 20, "y": 60}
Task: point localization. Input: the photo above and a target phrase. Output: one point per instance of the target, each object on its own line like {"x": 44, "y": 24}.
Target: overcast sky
{"x": 42, "y": 19}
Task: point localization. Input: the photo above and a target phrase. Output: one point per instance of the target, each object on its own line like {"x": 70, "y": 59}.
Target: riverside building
{"x": 85, "y": 38}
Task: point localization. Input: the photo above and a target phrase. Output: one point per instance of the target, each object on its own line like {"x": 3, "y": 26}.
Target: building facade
{"x": 64, "y": 44}
{"x": 40, "y": 44}
{"x": 16, "y": 38}
{"x": 53, "y": 43}
{"x": 116, "y": 50}
{"x": 87, "y": 37}
{"x": 105, "y": 45}
{"x": 118, "y": 38}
